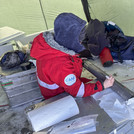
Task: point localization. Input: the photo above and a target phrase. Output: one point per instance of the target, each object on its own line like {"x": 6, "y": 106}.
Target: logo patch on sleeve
{"x": 70, "y": 79}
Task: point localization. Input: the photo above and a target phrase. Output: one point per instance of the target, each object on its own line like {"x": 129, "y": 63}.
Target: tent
{"x": 118, "y": 11}
{"x": 37, "y": 15}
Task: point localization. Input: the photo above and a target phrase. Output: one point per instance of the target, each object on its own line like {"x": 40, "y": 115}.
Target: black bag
{"x": 13, "y": 59}
{"x": 95, "y": 38}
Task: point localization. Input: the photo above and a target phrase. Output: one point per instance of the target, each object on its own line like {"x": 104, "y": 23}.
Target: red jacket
{"x": 58, "y": 72}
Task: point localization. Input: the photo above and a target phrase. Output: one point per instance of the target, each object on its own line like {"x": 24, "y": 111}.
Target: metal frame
{"x": 85, "y": 5}
{"x": 123, "y": 91}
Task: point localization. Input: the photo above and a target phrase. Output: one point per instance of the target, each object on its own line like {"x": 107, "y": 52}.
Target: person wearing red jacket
{"x": 59, "y": 67}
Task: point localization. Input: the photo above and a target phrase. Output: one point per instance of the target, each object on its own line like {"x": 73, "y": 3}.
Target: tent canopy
{"x": 37, "y": 15}
{"x": 121, "y": 12}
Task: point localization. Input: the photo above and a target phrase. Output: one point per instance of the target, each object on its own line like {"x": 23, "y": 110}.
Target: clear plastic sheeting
{"x": 82, "y": 125}
{"x": 130, "y": 103}
{"x": 114, "y": 106}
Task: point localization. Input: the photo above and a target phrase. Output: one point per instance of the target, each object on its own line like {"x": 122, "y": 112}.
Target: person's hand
{"x": 108, "y": 82}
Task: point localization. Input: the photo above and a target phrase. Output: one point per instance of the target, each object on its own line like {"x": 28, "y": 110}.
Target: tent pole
{"x": 86, "y": 9}
{"x": 43, "y": 14}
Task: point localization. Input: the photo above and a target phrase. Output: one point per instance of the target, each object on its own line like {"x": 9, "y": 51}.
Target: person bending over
{"x": 58, "y": 61}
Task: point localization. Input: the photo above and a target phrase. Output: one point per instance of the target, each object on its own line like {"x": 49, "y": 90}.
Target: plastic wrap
{"x": 114, "y": 106}
{"x": 53, "y": 113}
{"x": 82, "y": 125}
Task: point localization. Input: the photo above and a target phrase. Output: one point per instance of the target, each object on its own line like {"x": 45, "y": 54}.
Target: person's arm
{"x": 72, "y": 84}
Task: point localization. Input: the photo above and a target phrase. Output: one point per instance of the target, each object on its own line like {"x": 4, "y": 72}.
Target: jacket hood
{"x": 67, "y": 28}
{"x": 44, "y": 46}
